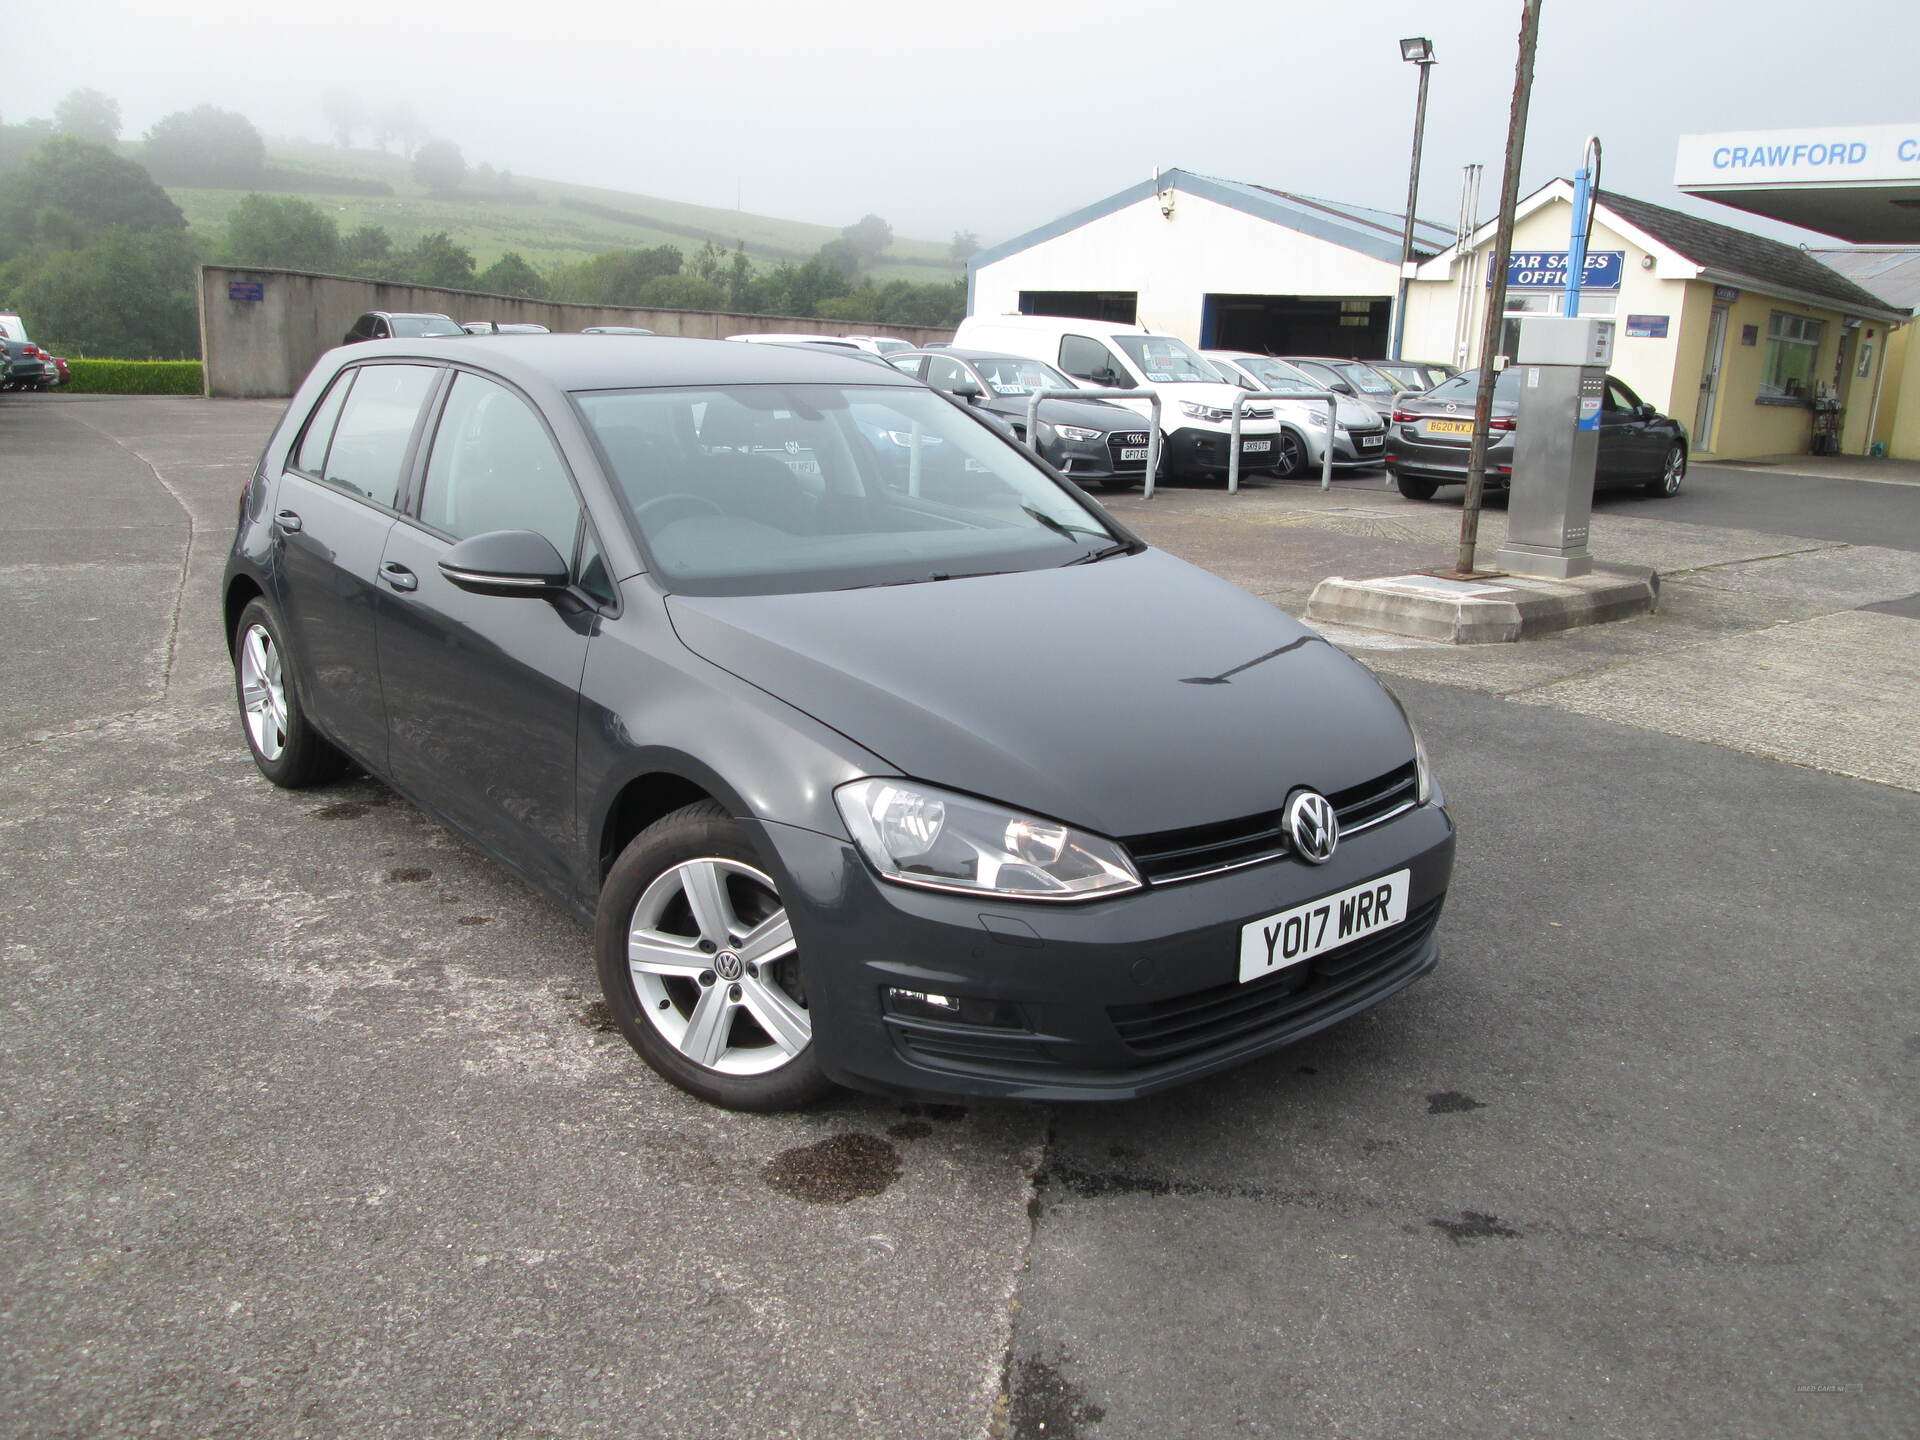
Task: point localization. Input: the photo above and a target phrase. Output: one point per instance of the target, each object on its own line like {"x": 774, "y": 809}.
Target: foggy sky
{"x": 991, "y": 118}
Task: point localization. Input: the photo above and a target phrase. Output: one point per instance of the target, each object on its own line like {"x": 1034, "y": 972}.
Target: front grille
{"x": 1127, "y": 440}
{"x": 1203, "y": 1019}
{"x": 1169, "y": 855}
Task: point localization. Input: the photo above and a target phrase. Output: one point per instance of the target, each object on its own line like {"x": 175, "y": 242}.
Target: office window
{"x": 1793, "y": 343}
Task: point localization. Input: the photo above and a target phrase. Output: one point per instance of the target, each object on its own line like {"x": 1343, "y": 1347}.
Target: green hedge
{"x": 134, "y": 377}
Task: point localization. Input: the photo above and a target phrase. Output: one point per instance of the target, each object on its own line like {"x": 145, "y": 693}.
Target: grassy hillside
{"x": 547, "y": 221}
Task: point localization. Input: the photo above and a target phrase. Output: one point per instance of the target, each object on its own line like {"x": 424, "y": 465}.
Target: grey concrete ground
{"x": 309, "y": 1128}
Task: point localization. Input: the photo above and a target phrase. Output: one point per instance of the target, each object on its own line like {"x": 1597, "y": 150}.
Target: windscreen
{"x": 1012, "y": 375}
{"x": 423, "y": 327}
{"x": 1163, "y": 359}
{"x": 1279, "y": 376}
{"x": 770, "y": 489}
{"x": 1367, "y": 380}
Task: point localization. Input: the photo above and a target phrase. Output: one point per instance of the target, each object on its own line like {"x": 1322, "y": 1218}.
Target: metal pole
{"x": 1233, "y": 432}
{"x": 1326, "y": 451}
{"x": 1413, "y": 198}
{"x": 1152, "y": 397}
{"x": 1584, "y": 180}
{"x": 1497, "y": 293}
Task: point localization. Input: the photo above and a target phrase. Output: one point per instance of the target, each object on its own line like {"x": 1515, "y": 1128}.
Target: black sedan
{"x": 1089, "y": 440}
{"x": 1428, "y": 440}
{"x": 855, "y": 781}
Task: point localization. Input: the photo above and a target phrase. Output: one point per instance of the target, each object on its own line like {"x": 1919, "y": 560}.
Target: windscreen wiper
{"x": 1105, "y": 552}
{"x": 1059, "y": 527}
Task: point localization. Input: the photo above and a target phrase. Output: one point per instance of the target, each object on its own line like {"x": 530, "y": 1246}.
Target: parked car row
{"x": 23, "y": 364}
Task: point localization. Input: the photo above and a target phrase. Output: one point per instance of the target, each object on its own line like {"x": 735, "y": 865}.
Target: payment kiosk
{"x": 1562, "y": 368}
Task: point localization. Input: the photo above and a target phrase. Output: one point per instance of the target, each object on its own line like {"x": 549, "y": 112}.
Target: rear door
{"x": 332, "y": 511}
{"x": 483, "y": 691}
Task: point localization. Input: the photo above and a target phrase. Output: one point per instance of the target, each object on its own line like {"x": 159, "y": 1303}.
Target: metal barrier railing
{"x": 1153, "y": 420}
{"x": 1326, "y": 451}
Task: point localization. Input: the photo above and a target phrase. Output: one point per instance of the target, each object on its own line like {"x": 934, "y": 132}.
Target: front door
{"x": 483, "y": 691}
{"x": 1710, "y": 379}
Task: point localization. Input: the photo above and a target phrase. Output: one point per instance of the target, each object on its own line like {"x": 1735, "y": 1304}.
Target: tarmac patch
{"x": 1452, "y": 1102}
{"x": 1473, "y": 1225}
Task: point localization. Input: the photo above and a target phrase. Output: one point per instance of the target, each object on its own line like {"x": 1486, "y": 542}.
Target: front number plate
{"x": 1256, "y": 447}
{"x": 1134, "y": 454}
{"x": 1322, "y": 925}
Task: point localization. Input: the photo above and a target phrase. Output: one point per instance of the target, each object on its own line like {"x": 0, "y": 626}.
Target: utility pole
{"x": 1497, "y": 292}
{"x": 1417, "y": 50}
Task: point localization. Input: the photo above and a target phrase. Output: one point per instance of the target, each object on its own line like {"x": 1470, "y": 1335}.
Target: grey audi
{"x": 920, "y": 778}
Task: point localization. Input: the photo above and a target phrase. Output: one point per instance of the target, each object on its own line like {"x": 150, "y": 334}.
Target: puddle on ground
{"x": 848, "y": 1166}
{"x": 1452, "y": 1102}
{"x": 1473, "y": 1225}
{"x": 408, "y": 875}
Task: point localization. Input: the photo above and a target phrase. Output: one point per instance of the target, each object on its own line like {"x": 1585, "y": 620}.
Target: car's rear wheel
{"x": 286, "y": 747}
{"x": 1415, "y": 489}
{"x": 699, "y": 967}
{"x": 1673, "y": 470}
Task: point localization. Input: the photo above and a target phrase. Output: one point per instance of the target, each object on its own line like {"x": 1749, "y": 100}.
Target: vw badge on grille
{"x": 1313, "y": 825}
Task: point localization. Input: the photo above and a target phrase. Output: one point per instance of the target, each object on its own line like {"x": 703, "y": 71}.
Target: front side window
{"x": 1793, "y": 344}
{"x": 376, "y": 425}
{"x": 948, "y": 375}
{"x": 1089, "y": 360}
{"x": 1619, "y": 397}
{"x": 768, "y": 489}
{"x": 1165, "y": 360}
{"x": 494, "y": 467}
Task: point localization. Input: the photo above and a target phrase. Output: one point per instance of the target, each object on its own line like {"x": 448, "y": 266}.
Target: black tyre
{"x": 1290, "y": 455}
{"x": 699, "y": 967}
{"x": 1415, "y": 489}
{"x": 286, "y": 747}
{"x": 1673, "y": 470}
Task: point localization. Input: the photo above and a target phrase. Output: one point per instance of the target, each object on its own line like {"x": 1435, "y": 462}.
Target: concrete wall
{"x": 1175, "y": 262}
{"x": 264, "y": 347}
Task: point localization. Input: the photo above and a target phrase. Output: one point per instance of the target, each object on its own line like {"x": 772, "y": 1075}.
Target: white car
{"x": 1359, "y": 435}
{"x": 1195, "y": 401}
{"x": 833, "y": 342}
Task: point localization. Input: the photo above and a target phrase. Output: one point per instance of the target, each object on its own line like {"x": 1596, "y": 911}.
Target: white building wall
{"x": 1647, "y": 365}
{"x": 1174, "y": 262}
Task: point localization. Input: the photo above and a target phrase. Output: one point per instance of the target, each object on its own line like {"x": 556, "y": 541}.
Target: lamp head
{"x": 1418, "y": 49}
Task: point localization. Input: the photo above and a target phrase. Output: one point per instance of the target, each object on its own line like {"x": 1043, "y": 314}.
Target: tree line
{"x": 100, "y": 260}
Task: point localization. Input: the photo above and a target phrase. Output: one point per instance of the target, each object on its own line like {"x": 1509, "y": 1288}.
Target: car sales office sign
{"x": 1547, "y": 270}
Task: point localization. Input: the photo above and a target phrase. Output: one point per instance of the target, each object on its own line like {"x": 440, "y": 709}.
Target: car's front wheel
{"x": 1673, "y": 470}
{"x": 286, "y": 747}
{"x": 1291, "y": 453}
{"x": 699, "y": 967}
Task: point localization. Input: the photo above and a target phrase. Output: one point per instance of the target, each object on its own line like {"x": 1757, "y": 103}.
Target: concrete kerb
{"x": 1494, "y": 610}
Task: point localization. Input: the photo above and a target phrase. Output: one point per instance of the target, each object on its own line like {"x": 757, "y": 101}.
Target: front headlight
{"x": 1317, "y": 418}
{"x": 1076, "y": 432}
{"x": 919, "y": 835}
{"x": 1205, "y": 412}
{"x": 1422, "y": 768}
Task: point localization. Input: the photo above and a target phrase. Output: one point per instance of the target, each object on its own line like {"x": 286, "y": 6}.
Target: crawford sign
{"x": 1833, "y": 153}
{"x": 1547, "y": 270}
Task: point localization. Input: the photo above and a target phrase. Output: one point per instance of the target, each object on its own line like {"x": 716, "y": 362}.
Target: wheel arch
{"x": 242, "y": 591}
{"x": 657, "y": 785}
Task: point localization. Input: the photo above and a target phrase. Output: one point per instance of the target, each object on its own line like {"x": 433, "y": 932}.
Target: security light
{"x": 1418, "y": 48}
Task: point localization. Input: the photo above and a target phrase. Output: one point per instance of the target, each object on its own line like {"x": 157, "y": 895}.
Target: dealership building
{"x": 1756, "y": 345}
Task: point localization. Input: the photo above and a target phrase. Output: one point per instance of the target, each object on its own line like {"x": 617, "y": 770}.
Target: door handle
{"x": 399, "y": 576}
{"x": 288, "y": 521}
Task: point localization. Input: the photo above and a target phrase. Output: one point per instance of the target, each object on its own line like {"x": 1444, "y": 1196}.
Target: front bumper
{"x": 1093, "y": 459}
{"x": 1106, "y": 999}
{"x": 1192, "y": 452}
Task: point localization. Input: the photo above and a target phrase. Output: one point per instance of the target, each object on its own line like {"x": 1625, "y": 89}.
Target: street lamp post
{"x": 1417, "y": 50}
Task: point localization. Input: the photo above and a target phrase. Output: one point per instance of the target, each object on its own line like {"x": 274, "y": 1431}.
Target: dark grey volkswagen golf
{"x": 897, "y": 764}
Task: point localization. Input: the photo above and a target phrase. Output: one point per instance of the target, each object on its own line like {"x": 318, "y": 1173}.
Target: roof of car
{"x": 949, "y": 351}
{"x": 583, "y": 362}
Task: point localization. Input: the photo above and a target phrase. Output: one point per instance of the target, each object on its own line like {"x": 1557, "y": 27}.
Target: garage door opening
{"x": 1356, "y": 327}
{"x": 1119, "y": 306}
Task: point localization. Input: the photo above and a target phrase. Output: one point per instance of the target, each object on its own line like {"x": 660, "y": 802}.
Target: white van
{"x": 1194, "y": 401}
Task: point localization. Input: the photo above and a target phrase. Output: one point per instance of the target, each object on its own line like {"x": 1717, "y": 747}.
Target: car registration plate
{"x": 1449, "y": 427}
{"x": 1134, "y": 453}
{"x": 1368, "y": 441}
{"x": 1256, "y": 447}
{"x": 1321, "y": 925}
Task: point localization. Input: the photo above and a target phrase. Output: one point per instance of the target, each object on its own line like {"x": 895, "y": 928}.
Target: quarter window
{"x": 1793, "y": 343}
{"x": 312, "y": 455}
{"x": 370, "y": 442}
{"x": 494, "y": 468}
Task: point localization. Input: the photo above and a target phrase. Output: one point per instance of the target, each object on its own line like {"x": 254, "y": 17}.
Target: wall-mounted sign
{"x": 1726, "y": 294}
{"x": 246, "y": 290}
{"x": 1547, "y": 270}
{"x": 1749, "y": 334}
{"x": 1647, "y": 327}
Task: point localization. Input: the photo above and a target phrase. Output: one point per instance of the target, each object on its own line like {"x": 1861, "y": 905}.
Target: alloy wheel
{"x": 711, "y": 956}
{"x": 263, "y": 692}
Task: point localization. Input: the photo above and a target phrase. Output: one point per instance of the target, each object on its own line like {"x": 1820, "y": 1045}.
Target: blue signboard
{"x": 1547, "y": 270}
{"x": 246, "y": 290}
{"x": 1647, "y": 327}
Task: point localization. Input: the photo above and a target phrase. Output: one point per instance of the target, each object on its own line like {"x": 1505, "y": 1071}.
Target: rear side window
{"x": 311, "y": 457}
{"x": 494, "y": 468}
{"x": 370, "y": 442}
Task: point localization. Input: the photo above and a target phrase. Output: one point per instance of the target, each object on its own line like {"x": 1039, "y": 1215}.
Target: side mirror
{"x": 506, "y": 562}
{"x": 1644, "y": 412}
{"x": 967, "y": 390}
{"x": 1340, "y": 386}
